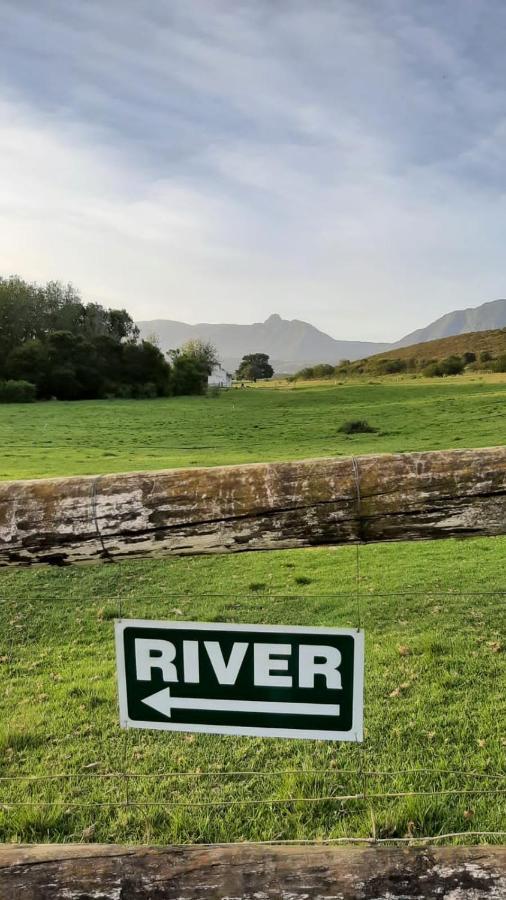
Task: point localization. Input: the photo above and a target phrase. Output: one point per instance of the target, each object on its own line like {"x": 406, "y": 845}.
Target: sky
{"x": 337, "y": 161}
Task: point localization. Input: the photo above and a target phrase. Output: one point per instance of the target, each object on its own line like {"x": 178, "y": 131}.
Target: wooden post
{"x": 245, "y": 872}
{"x": 266, "y": 506}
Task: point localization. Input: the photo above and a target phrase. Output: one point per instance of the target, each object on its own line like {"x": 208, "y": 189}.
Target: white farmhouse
{"x": 219, "y": 378}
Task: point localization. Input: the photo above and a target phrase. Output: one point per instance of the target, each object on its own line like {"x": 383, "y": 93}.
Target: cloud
{"x": 342, "y": 163}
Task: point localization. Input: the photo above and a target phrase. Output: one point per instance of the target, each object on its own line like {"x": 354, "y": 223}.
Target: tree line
{"x": 54, "y": 345}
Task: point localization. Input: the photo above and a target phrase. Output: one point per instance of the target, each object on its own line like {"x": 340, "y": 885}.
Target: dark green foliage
{"x": 17, "y": 392}
{"x": 191, "y": 366}
{"x": 431, "y": 370}
{"x": 469, "y": 357}
{"x": 499, "y": 365}
{"x": 323, "y": 370}
{"x": 452, "y": 365}
{"x": 389, "y": 366}
{"x": 74, "y": 351}
{"x": 188, "y": 376}
{"x": 485, "y": 356}
{"x": 254, "y": 366}
{"x": 356, "y": 426}
{"x": 202, "y": 352}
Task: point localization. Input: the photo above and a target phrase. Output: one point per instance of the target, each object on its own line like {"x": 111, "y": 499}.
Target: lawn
{"x": 249, "y": 425}
{"x": 433, "y": 759}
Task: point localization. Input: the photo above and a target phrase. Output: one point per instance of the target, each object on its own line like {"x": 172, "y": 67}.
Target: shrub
{"x": 146, "y": 391}
{"x": 357, "y": 426}
{"x": 469, "y": 357}
{"x": 390, "y": 366}
{"x": 305, "y": 374}
{"x": 323, "y": 370}
{"x": 500, "y": 364}
{"x": 17, "y": 392}
{"x": 432, "y": 370}
{"x": 485, "y": 356}
{"x": 452, "y": 365}
{"x": 121, "y": 392}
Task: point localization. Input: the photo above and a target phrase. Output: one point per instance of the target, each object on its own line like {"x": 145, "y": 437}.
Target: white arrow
{"x": 164, "y": 703}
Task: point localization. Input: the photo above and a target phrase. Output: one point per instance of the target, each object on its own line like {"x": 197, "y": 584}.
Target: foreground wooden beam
{"x": 269, "y": 506}
{"x": 242, "y": 872}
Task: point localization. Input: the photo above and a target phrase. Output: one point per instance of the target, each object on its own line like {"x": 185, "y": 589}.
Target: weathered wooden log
{"x": 242, "y": 872}
{"x": 267, "y": 506}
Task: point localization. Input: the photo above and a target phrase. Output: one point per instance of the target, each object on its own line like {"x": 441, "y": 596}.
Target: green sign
{"x": 241, "y": 679}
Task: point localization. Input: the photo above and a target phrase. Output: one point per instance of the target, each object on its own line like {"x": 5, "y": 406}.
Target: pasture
{"x": 275, "y": 422}
{"x": 433, "y": 615}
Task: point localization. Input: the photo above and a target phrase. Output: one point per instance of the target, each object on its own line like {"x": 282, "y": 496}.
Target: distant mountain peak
{"x": 293, "y": 343}
{"x": 290, "y": 343}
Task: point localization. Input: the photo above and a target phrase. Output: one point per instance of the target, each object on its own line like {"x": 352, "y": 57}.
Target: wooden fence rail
{"x": 242, "y": 872}
{"x": 266, "y": 506}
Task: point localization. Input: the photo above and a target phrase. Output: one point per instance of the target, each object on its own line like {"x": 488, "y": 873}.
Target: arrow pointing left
{"x": 164, "y": 702}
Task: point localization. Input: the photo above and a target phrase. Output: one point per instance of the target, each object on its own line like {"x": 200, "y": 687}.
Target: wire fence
{"x": 434, "y": 694}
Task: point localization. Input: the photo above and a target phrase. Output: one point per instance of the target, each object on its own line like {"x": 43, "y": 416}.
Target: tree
{"x": 254, "y": 366}
{"x": 188, "y": 375}
{"x": 452, "y": 365}
{"x": 73, "y": 350}
{"x": 29, "y": 361}
{"x": 203, "y": 353}
{"x": 143, "y": 365}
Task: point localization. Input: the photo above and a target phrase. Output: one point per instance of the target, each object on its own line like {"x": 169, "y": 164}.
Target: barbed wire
{"x": 247, "y": 595}
{"x": 226, "y": 801}
{"x": 366, "y": 795}
{"x": 222, "y": 773}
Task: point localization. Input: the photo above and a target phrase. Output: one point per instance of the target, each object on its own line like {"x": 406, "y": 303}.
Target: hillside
{"x": 290, "y": 343}
{"x": 493, "y": 341}
{"x": 488, "y": 316}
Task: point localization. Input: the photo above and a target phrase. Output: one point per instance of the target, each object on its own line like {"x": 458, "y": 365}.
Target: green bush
{"x": 452, "y": 365}
{"x": 146, "y": 391}
{"x": 357, "y": 426}
{"x": 499, "y": 365}
{"x": 323, "y": 370}
{"x": 320, "y": 370}
{"x": 17, "y": 392}
{"x": 432, "y": 370}
{"x": 390, "y": 366}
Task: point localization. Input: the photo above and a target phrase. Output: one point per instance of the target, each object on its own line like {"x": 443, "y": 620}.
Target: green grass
{"x": 435, "y": 700}
{"x": 434, "y": 621}
{"x": 248, "y": 426}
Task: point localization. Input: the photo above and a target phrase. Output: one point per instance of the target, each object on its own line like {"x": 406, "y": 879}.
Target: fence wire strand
{"x": 486, "y": 784}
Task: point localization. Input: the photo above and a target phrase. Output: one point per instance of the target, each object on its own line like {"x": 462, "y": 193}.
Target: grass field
{"x": 249, "y": 426}
{"x": 433, "y": 614}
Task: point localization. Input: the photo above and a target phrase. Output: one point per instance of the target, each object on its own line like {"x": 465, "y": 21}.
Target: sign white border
{"x": 356, "y": 732}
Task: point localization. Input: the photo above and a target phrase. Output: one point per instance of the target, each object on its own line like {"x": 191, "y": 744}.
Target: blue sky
{"x": 340, "y": 162}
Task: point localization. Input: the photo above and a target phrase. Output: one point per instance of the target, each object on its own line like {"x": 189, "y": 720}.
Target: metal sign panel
{"x": 265, "y": 681}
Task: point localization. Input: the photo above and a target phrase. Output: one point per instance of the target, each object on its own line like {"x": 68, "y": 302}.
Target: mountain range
{"x": 292, "y": 343}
